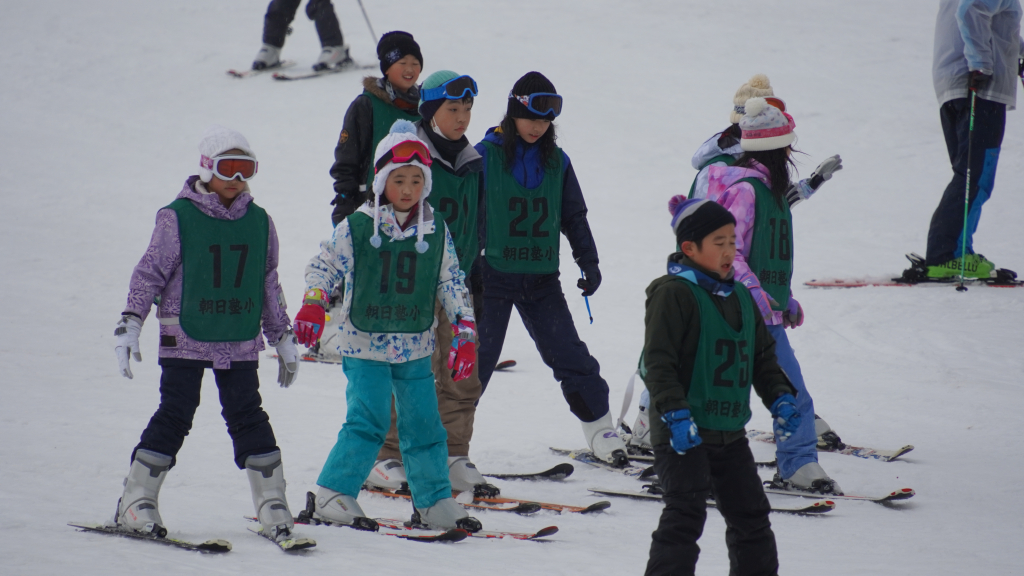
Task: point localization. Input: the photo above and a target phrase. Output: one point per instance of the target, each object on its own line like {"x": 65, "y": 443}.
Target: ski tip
{"x": 545, "y": 532}
{"x": 505, "y": 365}
{"x": 215, "y": 545}
{"x": 597, "y": 507}
{"x": 901, "y": 494}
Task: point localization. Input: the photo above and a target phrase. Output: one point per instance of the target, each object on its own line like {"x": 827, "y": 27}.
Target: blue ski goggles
{"x": 454, "y": 89}
{"x": 540, "y": 103}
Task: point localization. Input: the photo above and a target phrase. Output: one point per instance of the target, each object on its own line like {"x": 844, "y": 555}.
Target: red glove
{"x": 463, "y": 354}
{"x": 310, "y": 321}
{"x": 793, "y": 316}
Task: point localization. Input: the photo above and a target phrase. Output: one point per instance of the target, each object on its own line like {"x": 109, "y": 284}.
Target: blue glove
{"x": 684, "y": 431}
{"x": 787, "y": 417}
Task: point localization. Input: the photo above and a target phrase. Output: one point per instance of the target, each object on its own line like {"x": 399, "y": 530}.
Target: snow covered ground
{"x": 103, "y": 103}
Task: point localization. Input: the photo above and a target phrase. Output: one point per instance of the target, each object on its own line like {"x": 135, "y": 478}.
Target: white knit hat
{"x": 401, "y": 131}
{"x": 216, "y": 141}
{"x": 758, "y": 86}
{"x": 765, "y": 127}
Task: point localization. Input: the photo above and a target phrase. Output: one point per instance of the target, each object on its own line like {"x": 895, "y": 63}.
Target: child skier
{"x": 280, "y": 13}
{"x": 754, "y": 190}
{"x": 387, "y": 334}
{"x": 530, "y": 195}
{"x": 446, "y": 104}
{"x": 212, "y": 267}
{"x": 705, "y": 344}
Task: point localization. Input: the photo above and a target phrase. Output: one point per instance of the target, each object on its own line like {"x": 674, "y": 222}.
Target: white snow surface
{"x": 103, "y": 104}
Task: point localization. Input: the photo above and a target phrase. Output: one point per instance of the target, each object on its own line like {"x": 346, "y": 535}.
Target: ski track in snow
{"x": 103, "y": 106}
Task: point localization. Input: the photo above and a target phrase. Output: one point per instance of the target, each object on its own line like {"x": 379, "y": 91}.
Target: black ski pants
{"x": 945, "y": 241}
{"x": 728, "y": 473}
{"x": 280, "y": 14}
{"x": 248, "y": 425}
{"x": 539, "y": 300}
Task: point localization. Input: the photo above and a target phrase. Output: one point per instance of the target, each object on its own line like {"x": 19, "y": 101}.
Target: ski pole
{"x": 587, "y": 300}
{"x": 967, "y": 197}
{"x": 367, "y": 18}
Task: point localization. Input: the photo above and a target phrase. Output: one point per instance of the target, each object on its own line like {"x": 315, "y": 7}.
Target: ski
{"x": 859, "y": 451}
{"x": 595, "y": 507}
{"x": 587, "y": 457}
{"x": 818, "y": 507}
{"x": 288, "y": 545}
{"x": 344, "y": 67}
{"x": 505, "y": 365}
{"x": 250, "y": 72}
{"x": 542, "y": 533}
{"x": 917, "y": 275}
{"x": 311, "y": 357}
{"x": 901, "y": 494}
{"x": 516, "y": 506}
{"x": 212, "y": 545}
{"x": 559, "y": 472}
{"x": 639, "y": 457}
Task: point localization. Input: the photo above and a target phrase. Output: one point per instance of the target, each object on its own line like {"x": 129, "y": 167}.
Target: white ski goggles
{"x": 231, "y": 167}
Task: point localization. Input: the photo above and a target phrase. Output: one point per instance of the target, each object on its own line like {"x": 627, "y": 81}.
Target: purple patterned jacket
{"x": 159, "y": 274}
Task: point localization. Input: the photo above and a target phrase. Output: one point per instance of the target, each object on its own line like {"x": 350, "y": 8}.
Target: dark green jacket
{"x": 670, "y": 345}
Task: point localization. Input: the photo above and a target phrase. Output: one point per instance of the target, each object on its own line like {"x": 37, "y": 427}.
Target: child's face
{"x": 404, "y": 187}
{"x": 226, "y": 190}
{"x": 404, "y": 73}
{"x": 716, "y": 253}
{"x": 531, "y": 130}
{"x": 452, "y": 118}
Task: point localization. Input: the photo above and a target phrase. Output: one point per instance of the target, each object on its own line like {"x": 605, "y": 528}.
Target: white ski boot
{"x": 332, "y": 57}
{"x": 268, "y": 57}
{"x": 266, "y": 478}
{"x": 388, "y": 474}
{"x": 138, "y": 508}
{"x": 640, "y": 436}
{"x": 464, "y": 477}
{"x": 445, "y": 514}
{"x": 827, "y": 437}
{"x": 341, "y": 509}
{"x": 604, "y": 442}
{"x": 810, "y": 478}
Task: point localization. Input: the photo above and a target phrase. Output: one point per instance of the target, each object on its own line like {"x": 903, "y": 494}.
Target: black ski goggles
{"x": 540, "y": 103}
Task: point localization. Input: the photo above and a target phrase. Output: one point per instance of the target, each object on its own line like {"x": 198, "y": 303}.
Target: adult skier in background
{"x": 212, "y": 267}
{"x": 280, "y": 13}
{"x": 978, "y": 50}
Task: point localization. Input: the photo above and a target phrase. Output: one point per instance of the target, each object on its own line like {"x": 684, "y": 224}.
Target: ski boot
{"x": 268, "y": 57}
{"x": 332, "y": 57}
{"x": 138, "y": 509}
{"x": 974, "y": 266}
{"x": 466, "y": 478}
{"x": 266, "y": 479}
{"x": 827, "y": 438}
{"x": 339, "y": 509}
{"x": 388, "y": 474}
{"x": 808, "y": 478}
{"x": 639, "y": 440}
{"x": 604, "y": 442}
{"x": 445, "y": 514}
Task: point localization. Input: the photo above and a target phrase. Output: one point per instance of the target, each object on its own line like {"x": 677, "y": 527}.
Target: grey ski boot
{"x": 464, "y": 477}
{"x": 266, "y": 478}
{"x": 445, "y": 514}
{"x": 138, "y": 508}
{"x": 339, "y": 508}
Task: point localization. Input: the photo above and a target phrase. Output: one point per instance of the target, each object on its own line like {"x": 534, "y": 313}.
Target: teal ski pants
{"x": 422, "y": 438}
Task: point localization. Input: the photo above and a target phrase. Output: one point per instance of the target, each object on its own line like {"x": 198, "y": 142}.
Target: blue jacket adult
{"x": 981, "y": 35}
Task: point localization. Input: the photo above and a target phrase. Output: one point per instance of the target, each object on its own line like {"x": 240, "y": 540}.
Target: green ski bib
{"x": 771, "y": 247}
{"x": 723, "y": 370}
{"x": 394, "y": 287}
{"x": 455, "y": 200}
{"x": 728, "y": 159}
{"x": 223, "y": 267}
{"x": 384, "y": 116}
{"x": 523, "y": 225}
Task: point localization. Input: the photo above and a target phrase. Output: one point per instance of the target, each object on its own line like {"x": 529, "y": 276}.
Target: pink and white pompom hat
{"x": 765, "y": 127}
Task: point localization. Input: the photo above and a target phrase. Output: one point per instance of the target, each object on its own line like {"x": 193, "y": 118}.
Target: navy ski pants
{"x": 945, "y": 240}
{"x": 280, "y": 14}
{"x": 539, "y": 300}
{"x": 242, "y": 409}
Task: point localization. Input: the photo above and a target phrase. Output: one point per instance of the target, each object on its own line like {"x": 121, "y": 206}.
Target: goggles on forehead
{"x": 231, "y": 166}
{"x": 404, "y": 152}
{"x": 771, "y": 100}
{"x": 454, "y": 89}
{"x": 540, "y": 103}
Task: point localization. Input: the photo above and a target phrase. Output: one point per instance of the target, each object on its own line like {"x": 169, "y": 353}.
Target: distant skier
{"x": 212, "y": 267}
{"x": 978, "y": 48}
{"x": 280, "y": 14}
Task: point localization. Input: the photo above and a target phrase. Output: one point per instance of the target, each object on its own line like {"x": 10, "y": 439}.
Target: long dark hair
{"x": 510, "y": 140}
{"x": 777, "y": 162}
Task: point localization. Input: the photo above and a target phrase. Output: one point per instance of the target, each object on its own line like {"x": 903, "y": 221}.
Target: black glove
{"x": 344, "y": 205}
{"x": 591, "y": 279}
{"x": 978, "y": 80}
{"x": 1020, "y": 67}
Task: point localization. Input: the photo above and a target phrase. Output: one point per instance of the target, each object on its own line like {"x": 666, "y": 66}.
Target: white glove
{"x": 825, "y": 170}
{"x": 127, "y": 332}
{"x": 287, "y": 359}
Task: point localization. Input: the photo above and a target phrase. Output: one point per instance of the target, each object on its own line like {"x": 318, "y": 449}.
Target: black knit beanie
{"x": 531, "y": 83}
{"x": 394, "y": 46}
{"x": 694, "y": 219}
